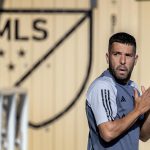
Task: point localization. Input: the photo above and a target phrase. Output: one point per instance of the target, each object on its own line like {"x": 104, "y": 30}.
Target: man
{"x": 118, "y": 117}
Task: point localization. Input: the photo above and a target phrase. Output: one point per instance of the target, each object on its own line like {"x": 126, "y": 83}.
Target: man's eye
{"x": 129, "y": 55}
{"x": 116, "y": 54}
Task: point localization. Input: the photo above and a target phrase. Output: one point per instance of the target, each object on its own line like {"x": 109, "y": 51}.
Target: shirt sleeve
{"x": 102, "y": 100}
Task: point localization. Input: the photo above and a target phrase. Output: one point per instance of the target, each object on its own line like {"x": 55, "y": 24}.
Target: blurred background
{"x": 55, "y": 49}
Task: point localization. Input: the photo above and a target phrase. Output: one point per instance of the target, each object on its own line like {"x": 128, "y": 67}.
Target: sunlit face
{"x": 121, "y": 59}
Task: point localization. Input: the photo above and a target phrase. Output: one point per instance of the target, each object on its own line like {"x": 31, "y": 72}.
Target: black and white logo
{"x": 123, "y": 99}
{"x": 31, "y": 36}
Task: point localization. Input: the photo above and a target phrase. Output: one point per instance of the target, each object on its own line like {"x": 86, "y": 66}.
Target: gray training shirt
{"x": 108, "y": 100}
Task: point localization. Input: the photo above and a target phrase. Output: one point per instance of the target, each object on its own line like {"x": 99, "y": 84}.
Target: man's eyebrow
{"x": 118, "y": 52}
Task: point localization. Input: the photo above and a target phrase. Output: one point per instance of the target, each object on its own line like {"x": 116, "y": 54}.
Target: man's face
{"x": 121, "y": 59}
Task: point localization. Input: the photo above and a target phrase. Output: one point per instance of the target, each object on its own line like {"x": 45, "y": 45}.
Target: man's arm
{"x": 112, "y": 129}
{"x": 145, "y": 128}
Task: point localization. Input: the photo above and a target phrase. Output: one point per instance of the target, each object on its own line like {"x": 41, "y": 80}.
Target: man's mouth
{"x": 122, "y": 69}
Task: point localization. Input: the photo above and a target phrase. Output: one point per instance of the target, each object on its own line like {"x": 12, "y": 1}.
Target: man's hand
{"x": 143, "y": 89}
{"x": 145, "y": 128}
{"x": 142, "y": 103}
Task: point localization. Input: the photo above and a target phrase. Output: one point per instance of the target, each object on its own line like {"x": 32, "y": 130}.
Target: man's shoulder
{"x": 102, "y": 82}
{"x": 133, "y": 84}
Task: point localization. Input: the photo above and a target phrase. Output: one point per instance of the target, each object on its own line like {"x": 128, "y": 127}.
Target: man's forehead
{"x": 122, "y": 47}
{"x": 122, "y": 44}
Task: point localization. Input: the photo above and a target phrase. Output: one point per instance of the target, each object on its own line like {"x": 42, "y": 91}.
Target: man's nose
{"x": 122, "y": 59}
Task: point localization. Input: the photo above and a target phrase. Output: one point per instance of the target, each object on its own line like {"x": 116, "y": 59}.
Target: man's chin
{"x": 122, "y": 78}
{"x": 121, "y": 75}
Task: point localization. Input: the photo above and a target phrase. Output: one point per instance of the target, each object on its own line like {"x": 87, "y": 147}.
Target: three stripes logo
{"x": 107, "y": 103}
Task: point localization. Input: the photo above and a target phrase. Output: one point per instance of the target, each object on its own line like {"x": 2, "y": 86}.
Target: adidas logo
{"x": 123, "y": 99}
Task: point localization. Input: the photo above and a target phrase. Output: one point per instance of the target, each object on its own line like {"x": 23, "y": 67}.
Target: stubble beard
{"x": 120, "y": 78}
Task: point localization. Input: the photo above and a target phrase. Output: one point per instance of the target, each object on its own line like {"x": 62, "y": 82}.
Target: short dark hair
{"x": 122, "y": 37}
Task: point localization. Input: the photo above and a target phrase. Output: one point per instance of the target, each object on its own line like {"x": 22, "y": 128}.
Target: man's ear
{"x": 136, "y": 58}
{"x": 107, "y": 57}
